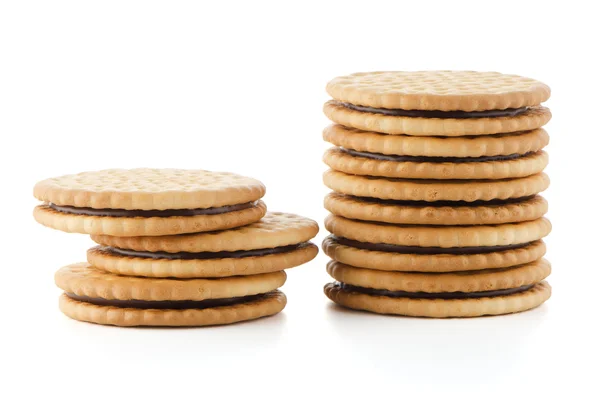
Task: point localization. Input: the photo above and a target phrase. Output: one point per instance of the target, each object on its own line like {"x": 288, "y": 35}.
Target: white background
{"x": 239, "y": 87}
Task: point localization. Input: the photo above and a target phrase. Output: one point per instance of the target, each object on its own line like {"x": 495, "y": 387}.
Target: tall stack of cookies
{"x": 177, "y": 247}
{"x": 435, "y": 210}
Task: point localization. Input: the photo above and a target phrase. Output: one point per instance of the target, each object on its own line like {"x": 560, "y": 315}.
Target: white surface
{"x": 91, "y": 85}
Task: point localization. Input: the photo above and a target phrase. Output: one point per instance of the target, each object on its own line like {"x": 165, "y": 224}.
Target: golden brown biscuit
{"x": 431, "y": 146}
{"x": 105, "y": 258}
{"x": 440, "y": 308}
{"x": 147, "y": 226}
{"x": 84, "y": 280}
{"x": 373, "y": 164}
{"x": 533, "y": 118}
{"x": 436, "y": 213}
{"x": 261, "y": 306}
{"x": 276, "y": 229}
{"x": 407, "y": 262}
{"x": 439, "y": 236}
{"x": 444, "y": 90}
{"x": 466, "y": 281}
{"x": 431, "y": 190}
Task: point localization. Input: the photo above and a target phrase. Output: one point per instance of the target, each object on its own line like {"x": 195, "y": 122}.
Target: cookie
{"x": 437, "y": 212}
{"x": 97, "y": 296}
{"x": 445, "y": 103}
{"x": 149, "y": 224}
{"x": 465, "y": 282}
{"x": 430, "y": 146}
{"x": 450, "y": 306}
{"x": 335, "y": 248}
{"x": 226, "y": 263}
{"x": 261, "y": 306}
{"x": 416, "y": 167}
{"x": 276, "y": 229}
{"x": 430, "y": 240}
{"x": 148, "y": 202}
{"x": 432, "y": 190}
{"x": 466, "y": 91}
{"x": 532, "y": 118}
{"x": 82, "y": 279}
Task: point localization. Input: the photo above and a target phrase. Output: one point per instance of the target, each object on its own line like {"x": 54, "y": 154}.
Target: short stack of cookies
{"x": 435, "y": 210}
{"x": 177, "y": 247}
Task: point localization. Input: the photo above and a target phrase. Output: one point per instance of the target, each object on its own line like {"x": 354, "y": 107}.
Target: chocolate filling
{"x": 442, "y": 203}
{"x": 424, "y": 159}
{"x": 432, "y": 295}
{"x": 437, "y": 114}
{"x": 205, "y": 255}
{"x": 178, "y": 305}
{"x": 403, "y": 249}
{"x": 67, "y": 209}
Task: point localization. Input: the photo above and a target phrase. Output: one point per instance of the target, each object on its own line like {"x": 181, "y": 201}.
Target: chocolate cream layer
{"x": 149, "y": 213}
{"x": 403, "y": 249}
{"x": 442, "y": 203}
{"x": 433, "y": 295}
{"x": 438, "y": 114}
{"x": 178, "y": 305}
{"x": 424, "y": 159}
{"x": 205, "y": 255}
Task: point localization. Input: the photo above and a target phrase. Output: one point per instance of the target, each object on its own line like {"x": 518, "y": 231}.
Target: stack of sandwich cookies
{"x": 210, "y": 274}
{"x": 435, "y": 210}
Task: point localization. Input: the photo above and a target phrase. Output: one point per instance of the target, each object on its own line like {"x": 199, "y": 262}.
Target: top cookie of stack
{"x": 148, "y": 202}
{"x": 436, "y": 172}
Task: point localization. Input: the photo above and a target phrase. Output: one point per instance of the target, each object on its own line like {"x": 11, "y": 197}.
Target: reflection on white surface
{"x": 413, "y": 346}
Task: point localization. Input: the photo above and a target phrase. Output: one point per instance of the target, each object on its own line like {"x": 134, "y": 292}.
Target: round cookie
{"x": 148, "y": 225}
{"x": 466, "y": 281}
{"x": 276, "y": 229}
{"x": 534, "y": 117}
{"x": 432, "y": 190}
{"x": 144, "y": 201}
{"x": 277, "y": 242}
{"x": 429, "y": 146}
{"x": 438, "y": 90}
{"x": 96, "y": 296}
{"x": 414, "y": 236}
{"x": 262, "y": 306}
{"x": 436, "y": 213}
{"x": 84, "y": 280}
{"x": 410, "y": 167}
{"x": 440, "y": 308}
{"x": 227, "y": 265}
{"x": 410, "y": 262}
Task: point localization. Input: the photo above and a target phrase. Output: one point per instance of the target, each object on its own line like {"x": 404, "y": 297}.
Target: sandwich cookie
{"x": 148, "y": 202}
{"x": 438, "y": 103}
{"x": 435, "y": 190}
{"x": 455, "y": 294}
{"x": 96, "y": 296}
{"x": 471, "y": 147}
{"x": 489, "y": 280}
{"x": 442, "y": 305}
{"x": 390, "y": 258}
{"x": 417, "y": 167}
{"x": 429, "y": 240}
{"x": 437, "y": 212}
{"x": 276, "y": 242}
